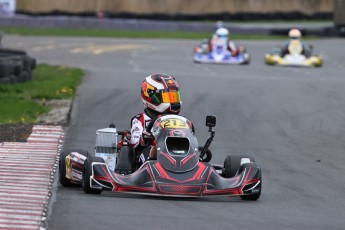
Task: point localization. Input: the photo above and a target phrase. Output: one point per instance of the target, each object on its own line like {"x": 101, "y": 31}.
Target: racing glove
{"x": 146, "y": 138}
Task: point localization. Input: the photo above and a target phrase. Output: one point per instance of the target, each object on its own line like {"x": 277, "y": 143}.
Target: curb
{"x": 26, "y": 175}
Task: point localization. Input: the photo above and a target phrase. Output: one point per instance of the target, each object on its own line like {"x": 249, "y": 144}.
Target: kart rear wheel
{"x": 87, "y": 173}
{"x": 232, "y": 164}
{"x": 318, "y": 63}
{"x": 64, "y": 181}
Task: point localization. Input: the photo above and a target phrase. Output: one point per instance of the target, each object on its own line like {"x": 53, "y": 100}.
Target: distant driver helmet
{"x": 219, "y": 24}
{"x": 222, "y": 33}
{"x": 295, "y": 34}
{"x": 160, "y": 92}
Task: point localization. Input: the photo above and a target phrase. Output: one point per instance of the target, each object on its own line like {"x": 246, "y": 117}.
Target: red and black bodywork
{"x": 178, "y": 169}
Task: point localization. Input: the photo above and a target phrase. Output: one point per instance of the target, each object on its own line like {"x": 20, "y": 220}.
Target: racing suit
{"x": 231, "y": 47}
{"x": 143, "y": 147}
{"x": 304, "y": 51}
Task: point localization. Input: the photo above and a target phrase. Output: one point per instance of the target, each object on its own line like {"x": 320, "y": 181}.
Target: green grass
{"x": 130, "y": 33}
{"x": 22, "y": 103}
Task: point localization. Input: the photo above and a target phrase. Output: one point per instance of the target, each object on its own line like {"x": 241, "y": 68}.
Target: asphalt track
{"x": 291, "y": 120}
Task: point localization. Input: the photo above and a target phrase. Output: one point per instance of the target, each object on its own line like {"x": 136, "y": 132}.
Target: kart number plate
{"x": 174, "y": 123}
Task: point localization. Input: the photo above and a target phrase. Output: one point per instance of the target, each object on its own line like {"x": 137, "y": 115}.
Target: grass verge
{"x": 131, "y": 34}
{"x": 22, "y": 103}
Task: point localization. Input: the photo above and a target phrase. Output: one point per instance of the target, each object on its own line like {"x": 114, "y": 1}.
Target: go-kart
{"x": 219, "y": 53}
{"x": 181, "y": 167}
{"x": 294, "y": 57}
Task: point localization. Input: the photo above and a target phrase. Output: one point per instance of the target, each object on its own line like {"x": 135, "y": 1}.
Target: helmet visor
{"x": 222, "y": 35}
{"x": 171, "y": 97}
{"x": 294, "y": 37}
{"x": 159, "y": 96}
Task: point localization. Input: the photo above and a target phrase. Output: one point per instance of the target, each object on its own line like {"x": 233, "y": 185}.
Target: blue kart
{"x": 219, "y": 53}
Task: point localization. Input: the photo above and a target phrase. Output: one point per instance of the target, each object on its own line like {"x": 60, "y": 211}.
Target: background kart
{"x": 219, "y": 54}
{"x": 293, "y": 59}
{"x": 182, "y": 168}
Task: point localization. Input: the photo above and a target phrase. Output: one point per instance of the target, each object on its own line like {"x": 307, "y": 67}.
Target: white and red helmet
{"x": 160, "y": 92}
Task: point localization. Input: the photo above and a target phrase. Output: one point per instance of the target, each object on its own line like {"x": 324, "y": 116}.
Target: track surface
{"x": 292, "y": 120}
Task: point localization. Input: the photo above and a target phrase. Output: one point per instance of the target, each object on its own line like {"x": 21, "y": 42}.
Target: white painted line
{"x": 27, "y": 219}
{"x": 22, "y": 212}
{"x": 16, "y": 226}
{"x": 26, "y": 187}
{"x": 42, "y": 140}
{"x": 15, "y": 178}
{"x": 12, "y": 206}
{"x": 29, "y": 161}
{"x": 26, "y": 168}
{"x": 36, "y": 150}
{"x": 24, "y": 200}
{"x": 31, "y": 196}
{"x": 20, "y": 219}
{"x": 26, "y": 193}
{"x": 3, "y": 175}
{"x": 17, "y": 165}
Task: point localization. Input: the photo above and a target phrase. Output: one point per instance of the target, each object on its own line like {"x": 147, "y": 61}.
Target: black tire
{"x": 33, "y": 62}
{"x": 13, "y": 79}
{"x": 232, "y": 165}
{"x": 11, "y": 51}
{"x": 64, "y": 181}
{"x": 29, "y": 75}
{"x": 24, "y": 76}
{"x": 18, "y": 68}
{"x": 29, "y": 62}
{"x": 5, "y": 80}
{"x": 87, "y": 173}
{"x": 6, "y": 68}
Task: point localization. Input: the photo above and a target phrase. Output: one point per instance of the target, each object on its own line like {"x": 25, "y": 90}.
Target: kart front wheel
{"x": 87, "y": 173}
{"x": 254, "y": 196}
{"x": 232, "y": 164}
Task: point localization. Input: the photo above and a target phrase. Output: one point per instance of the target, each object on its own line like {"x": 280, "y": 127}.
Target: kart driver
{"x": 295, "y": 44}
{"x": 223, "y": 33}
{"x": 160, "y": 95}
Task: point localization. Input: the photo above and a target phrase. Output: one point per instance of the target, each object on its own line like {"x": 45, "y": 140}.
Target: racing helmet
{"x": 160, "y": 92}
{"x": 222, "y": 33}
{"x": 295, "y": 34}
{"x": 219, "y": 24}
